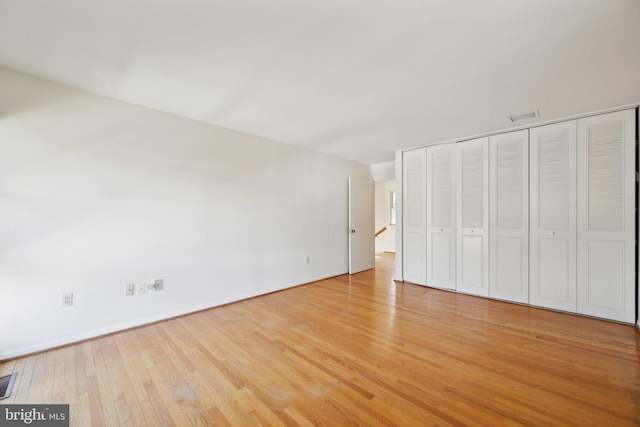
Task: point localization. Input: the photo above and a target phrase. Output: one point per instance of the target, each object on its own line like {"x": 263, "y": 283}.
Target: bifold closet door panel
{"x": 441, "y": 216}
{"x": 472, "y": 234}
{"x": 509, "y": 216}
{"x": 414, "y": 231}
{"x": 552, "y": 236}
{"x": 606, "y": 216}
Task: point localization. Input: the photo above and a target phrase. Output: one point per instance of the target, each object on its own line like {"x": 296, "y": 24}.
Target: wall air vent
{"x": 528, "y": 115}
{"x": 6, "y": 383}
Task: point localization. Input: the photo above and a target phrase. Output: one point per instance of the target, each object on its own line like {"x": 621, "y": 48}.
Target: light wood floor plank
{"x": 350, "y": 350}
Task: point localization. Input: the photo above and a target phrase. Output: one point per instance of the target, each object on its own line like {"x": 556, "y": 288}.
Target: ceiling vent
{"x": 528, "y": 115}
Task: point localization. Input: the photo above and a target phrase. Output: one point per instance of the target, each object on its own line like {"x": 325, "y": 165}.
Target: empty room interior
{"x": 286, "y": 213}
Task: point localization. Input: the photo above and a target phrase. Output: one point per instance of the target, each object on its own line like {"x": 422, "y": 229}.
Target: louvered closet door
{"x": 472, "y": 217}
{"x": 553, "y": 216}
{"x": 606, "y": 216}
{"x": 509, "y": 216}
{"x": 414, "y": 193}
{"x": 441, "y": 216}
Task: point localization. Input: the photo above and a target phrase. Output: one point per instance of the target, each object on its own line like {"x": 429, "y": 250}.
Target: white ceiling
{"x": 352, "y": 78}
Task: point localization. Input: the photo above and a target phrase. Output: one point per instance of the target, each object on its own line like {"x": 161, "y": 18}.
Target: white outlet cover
{"x": 142, "y": 288}
{"x": 67, "y": 300}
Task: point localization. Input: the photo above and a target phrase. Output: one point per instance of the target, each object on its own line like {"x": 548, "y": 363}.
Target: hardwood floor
{"x": 351, "y": 350}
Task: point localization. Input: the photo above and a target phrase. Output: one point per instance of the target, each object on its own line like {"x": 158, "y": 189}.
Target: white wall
{"x": 383, "y": 171}
{"x": 386, "y": 241}
{"x": 95, "y": 194}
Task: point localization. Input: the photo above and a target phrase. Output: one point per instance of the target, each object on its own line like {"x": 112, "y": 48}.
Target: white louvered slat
{"x": 509, "y": 183}
{"x": 472, "y": 186}
{"x": 442, "y": 189}
{"x": 605, "y": 174}
{"x": 553, "y": 180}
{"x": 415, "y": 184}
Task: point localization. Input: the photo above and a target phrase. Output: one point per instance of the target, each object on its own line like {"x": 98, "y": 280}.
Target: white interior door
{"x": 606, "y": 216}
{"x": 509, "y": 216}
{"x": 472, "y": 217}
{"x": 361, "y": 225}
{"x": 414, "y": 231}
{"x": 553, "y": 216}
{"x": 441, "y": 216}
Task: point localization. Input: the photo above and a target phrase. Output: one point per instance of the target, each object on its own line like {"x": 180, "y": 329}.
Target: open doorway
{"x": 385, "y": 220}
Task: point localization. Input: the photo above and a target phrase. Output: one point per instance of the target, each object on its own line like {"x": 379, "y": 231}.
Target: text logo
{"x": 34, "y": 415}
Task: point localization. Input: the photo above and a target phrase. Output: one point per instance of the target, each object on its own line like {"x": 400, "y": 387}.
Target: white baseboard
{"x": 59, "y": 342}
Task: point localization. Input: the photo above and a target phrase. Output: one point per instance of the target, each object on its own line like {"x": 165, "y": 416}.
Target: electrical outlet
{"x": 67, "y": 300}
{"x": 158, "y": 284}
{"x": 142, "y": 288}
{"x": 129, "y": 290}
